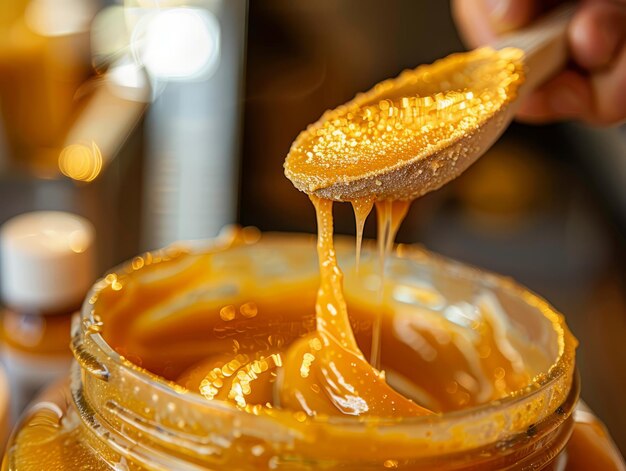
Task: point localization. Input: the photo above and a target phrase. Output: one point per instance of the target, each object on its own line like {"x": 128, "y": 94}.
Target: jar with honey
{"x": 182, "y": 361}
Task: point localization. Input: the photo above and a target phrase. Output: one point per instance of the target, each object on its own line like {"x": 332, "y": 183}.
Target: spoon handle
{"x": 544, "y": 43}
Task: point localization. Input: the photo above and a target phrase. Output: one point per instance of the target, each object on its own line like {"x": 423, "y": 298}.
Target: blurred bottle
{"x": 46, "y": 267}
{"x": 194, "y": 54}
{"x": 44, "y": 59}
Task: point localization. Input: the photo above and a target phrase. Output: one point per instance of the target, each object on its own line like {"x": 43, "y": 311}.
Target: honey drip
{"x": 330, "y": 308}
{"x": 390, "y": 216}
{"x": 362, "y": 208}
{"x": 326, "y": 372}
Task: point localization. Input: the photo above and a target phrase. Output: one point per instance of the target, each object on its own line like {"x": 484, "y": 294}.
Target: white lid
{"x": 47, "y": 260}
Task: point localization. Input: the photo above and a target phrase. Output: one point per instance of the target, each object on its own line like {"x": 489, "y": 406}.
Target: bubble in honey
{"x": 257, "y": 450}
{"x": 452, "y": 387}
{"x": 499, "y": 373}
{"x": 228, "y": 313}
{"x": 275, "y": 340}
{"x": 113, "y": 281}
{"x": 300, "y": 416}
{"x": 137, "y": 263}
{"x": 305, "y": 367}
{"x": 248, "y": 310}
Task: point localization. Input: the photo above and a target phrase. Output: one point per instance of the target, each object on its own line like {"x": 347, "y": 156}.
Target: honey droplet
{"x": 227, "y": 313}
{"x": 249, "y": 310}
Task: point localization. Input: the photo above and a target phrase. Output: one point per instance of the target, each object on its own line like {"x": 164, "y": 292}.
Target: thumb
{"x": 480, "y": 21}
{"x": 506, "y": 15}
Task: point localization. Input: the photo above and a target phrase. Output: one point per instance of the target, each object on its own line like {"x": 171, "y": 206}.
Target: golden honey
{"x": 405, "y": 119}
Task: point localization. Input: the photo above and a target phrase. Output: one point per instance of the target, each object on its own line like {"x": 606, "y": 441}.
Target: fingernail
{"x": 565, "y": 102}
{"x": 498, "y": 9}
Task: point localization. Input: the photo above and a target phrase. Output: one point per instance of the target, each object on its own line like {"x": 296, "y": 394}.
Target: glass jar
{"x": 113, "y": 414}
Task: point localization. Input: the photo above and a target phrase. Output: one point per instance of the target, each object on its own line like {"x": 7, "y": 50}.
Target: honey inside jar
{"x": 219, "y": 326}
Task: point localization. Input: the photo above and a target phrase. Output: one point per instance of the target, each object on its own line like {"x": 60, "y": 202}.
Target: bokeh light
{"x": 177, "y": 43}
{"x": 81, "y": 162}
{"x": 59, "y": 17}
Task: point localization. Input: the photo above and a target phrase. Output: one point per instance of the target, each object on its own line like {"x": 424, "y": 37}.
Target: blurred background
{"x": 166, "y": 120}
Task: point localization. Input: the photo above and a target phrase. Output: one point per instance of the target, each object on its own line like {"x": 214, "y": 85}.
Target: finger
{"x": 507, "y": 15}
{"x": 609, "y": 92}
{"x": 473, "y": 22}
{"x": 597, "y": 32}
{"x": 566, "y": 96}
{"x": 481, "y": 21}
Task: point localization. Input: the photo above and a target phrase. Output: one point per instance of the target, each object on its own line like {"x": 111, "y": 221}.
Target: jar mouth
{"x": 514, "y": 413}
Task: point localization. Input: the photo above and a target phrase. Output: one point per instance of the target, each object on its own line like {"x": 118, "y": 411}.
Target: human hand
{"x": 593, "y": 86}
